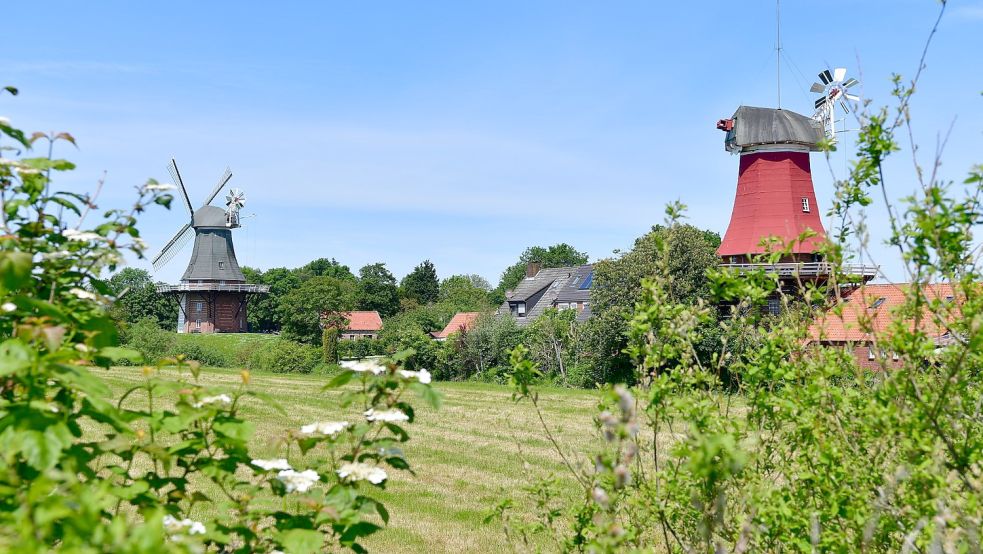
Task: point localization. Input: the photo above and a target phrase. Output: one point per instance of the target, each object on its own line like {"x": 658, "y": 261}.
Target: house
{"x": 461, "y": 322}
{"x": 564, "y": 288}
{"x": 867, "y": 314}
{"x": 355, "y": 325}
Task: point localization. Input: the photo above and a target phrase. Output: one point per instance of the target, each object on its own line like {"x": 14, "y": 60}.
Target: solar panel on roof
{"x": 587, "y": 282}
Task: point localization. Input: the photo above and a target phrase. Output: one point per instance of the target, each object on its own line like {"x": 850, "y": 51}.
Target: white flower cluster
{"x": 223, "y": 399}
{"x": 81, "y": 236}
{"x": 300, "y": 481}
{"x": 387, "y": 416}
{"x": 175, "y": 526}
{"x": 422, "y": 376}
{"x": 158, "y": 186}
{"x": 357, "y": 471}
{"x": 277, "y": 463}
{"x": 82, "y": 294}
{"x": 324, "y": 428}
{"x": 8, "y": 307}
{"x": 361, "y": 366}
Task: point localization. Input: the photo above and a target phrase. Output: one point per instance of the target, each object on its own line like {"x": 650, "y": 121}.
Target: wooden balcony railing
{"x": 806, "y": 269}
{"x": 213, "y": 287}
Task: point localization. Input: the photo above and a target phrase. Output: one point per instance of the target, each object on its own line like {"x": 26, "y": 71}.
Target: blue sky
{"x": 457, "y": 131}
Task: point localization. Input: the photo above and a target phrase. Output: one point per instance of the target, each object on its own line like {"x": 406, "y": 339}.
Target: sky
{"x": 463, "y": 132}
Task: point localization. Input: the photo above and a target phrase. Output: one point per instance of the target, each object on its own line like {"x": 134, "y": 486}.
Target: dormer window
{"x": 221, "y": 265}
{"x": 521, "y": 309}
{"x": 805, "y": 205}
{"x": 877, "y": 303}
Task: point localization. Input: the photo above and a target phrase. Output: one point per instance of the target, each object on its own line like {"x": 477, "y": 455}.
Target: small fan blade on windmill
{"x": 826, "y": 77}
{"x": 221, "y": 183}
{"x": 176, "y": 175}
{"x": 816, "y": 87}
{"x": 820, "y": 102}
{"x": 845, "y": 106}
{"x": 850, "y": 82}
{"x": 173, "y": 246}
{"x": 852, "y": 97}
{"x": 839, "y": 73}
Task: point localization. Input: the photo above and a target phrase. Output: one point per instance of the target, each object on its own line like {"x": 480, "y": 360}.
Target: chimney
{"x": 532, "y": 268}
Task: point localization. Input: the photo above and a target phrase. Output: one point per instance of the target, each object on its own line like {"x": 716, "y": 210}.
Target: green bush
{"x": 149, "y": 339}
{"x": 285, "y": 356}
{"x": 203, "y": 354}
{"x": 352, "y": 349}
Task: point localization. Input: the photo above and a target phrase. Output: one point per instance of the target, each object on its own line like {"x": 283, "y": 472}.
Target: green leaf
{"x": 360, "y": 529}
{"x": 14, "y": 356}
{"x": 118, "y": 353}
{"x": 301, "y": 541}
{"x": 339, "y": 380}
{"x": 15, "y": 269}
{"x": 235, "y": 428}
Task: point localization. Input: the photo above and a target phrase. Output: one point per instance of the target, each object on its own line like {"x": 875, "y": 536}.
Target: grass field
{"x": 465, "y": 456}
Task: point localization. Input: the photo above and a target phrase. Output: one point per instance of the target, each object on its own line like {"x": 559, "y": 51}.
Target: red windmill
{"x": 775, "y": 196}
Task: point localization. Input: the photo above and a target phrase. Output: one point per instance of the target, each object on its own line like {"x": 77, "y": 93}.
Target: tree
{"x": 463, "y": 294}
{"x": 300, "y": 309}
{"x": 688, "y": 253}
{"x": 324, "y": 267}
{"x": 558, "y": 255}
{"x": 377, "y": 290}
{"x": 263, "y": 314}
{"x": 421, "y": 284}
{"x": 137, "y": 299}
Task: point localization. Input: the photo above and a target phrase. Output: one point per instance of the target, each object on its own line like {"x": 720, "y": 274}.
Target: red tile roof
{"x": 462, "y": 321}
{"x": 363, "y": 321}
{"x": 869, "y": 310}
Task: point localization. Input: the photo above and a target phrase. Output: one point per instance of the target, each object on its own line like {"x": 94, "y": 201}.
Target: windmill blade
{"x": 826, "y": 77}
{"x": 820, "y": 102}
{"x": 845, "y": 106}
{"x": 173, "y": 246}
{"x": 850, "y": 82}
{"x": 839, "y": 73}
{"x": 176, "y": 175}
{"x": 816, "y": 87}
{"x": 221, "y": 183}
{"x": 852, "y": 97}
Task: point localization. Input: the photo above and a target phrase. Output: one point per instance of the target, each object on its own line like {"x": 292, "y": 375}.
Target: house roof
{"x": 541, "y": 291}
{"x": 363, "y": 321}
{"x": 870, "y": 309}
{"x": 577, "y": 287}
{"x": 462, "y": 321}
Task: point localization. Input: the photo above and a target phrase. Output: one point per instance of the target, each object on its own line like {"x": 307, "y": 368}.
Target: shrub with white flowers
{"x": 167, "y": 466}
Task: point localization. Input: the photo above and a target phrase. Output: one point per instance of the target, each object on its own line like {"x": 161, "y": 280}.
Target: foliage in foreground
{"x": 167, "y": 466}
{"x": 813, "y": 454}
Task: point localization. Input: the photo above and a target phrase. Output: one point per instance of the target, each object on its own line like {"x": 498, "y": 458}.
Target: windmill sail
{"x": 173, "y": 246}
{"x": 176, "y": 175}
{"x": 221, "y": 183}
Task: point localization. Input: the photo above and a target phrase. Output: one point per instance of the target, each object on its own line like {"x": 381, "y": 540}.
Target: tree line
{"x": 568, "y": 351}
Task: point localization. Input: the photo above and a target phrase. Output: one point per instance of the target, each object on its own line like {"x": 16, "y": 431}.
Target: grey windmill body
{"x": 213, "y": 257}
{"x": 212, "y": 294}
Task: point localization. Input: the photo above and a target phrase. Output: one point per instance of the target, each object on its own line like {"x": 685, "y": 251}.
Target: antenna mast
{"x": 778, "y": 48}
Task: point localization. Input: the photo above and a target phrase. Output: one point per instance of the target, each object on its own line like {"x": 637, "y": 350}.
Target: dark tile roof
{"x": 545, "y": 288}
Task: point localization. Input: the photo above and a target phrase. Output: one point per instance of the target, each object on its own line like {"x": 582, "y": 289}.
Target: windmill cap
{"x": 209, "y": 216}
{"x": 752, "y": 127}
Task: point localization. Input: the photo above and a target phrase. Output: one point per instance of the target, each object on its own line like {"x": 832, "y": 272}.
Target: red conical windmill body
{"x": 775, "y": 195}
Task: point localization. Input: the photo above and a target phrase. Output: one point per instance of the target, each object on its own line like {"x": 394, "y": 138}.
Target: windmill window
{"x": 197, "y": 324}
{"x": 805, "y": 205}
{"x": 221, "y": 265}
{"x": 199, "y": 306}
{"x": 870, "y": 353}
{"x": 877, "y": 303}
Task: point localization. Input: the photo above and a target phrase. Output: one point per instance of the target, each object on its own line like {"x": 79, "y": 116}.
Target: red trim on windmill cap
{"x": 768, "y": 203}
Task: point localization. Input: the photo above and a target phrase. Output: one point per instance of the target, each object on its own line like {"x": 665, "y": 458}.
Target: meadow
{"x": 479, "y": 448}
